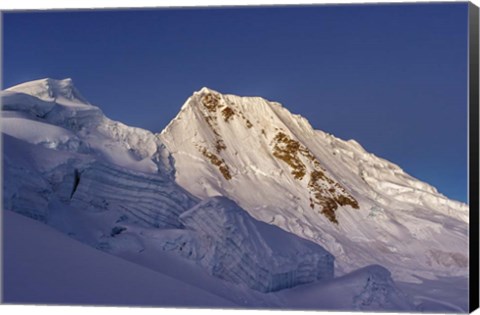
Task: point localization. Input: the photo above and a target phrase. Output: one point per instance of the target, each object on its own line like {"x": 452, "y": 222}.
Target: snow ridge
{"x": 112, "y": 187}
{"x": 238, "y": 186}
{"x": 51, "y": 90}
{"x": 361, "y": 208}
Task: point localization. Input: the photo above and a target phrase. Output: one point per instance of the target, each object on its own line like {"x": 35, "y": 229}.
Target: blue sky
{"x": 393, "y": 77}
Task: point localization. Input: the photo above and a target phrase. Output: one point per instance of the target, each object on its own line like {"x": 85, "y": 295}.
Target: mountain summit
{"x": 236, "y": 196}
{"x": 282, "y": 171}
{"x": 50, "y": 89}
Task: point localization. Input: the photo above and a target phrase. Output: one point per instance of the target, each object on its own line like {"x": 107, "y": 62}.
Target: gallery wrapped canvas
{"x": 302, "y": 157}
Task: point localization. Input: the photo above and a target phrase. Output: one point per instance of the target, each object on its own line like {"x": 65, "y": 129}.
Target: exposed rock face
{"x": 324, "y": 191}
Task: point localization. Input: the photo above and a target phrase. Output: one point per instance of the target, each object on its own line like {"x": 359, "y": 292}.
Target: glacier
{"x": 236, "y": 196}
{"x": 107, "y": 185}
{"x": 236, "y": 247}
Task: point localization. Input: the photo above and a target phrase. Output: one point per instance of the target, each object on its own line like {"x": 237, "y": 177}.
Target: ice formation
{"x": 232, "y": 245}
{"x": 234, "y": 187}
{"x": 107, "y": 184}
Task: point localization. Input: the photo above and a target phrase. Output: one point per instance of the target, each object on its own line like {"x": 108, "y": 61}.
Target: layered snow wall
{"x": 150, "y": 200}
{"x": 233, "y": 246}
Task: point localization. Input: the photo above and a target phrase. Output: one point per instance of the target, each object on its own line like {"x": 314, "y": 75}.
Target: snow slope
{"x": 43, "y": 266}
{"x": 56, "y": 113}
{"x": 47, "y": 267}
{"x": 361, "y": 208}
{"x": 111, "y": 186}
{"x": 367, "y": 289}
{"x": 175, "y": 202}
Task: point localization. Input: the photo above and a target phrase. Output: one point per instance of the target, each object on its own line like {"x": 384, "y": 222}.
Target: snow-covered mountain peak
{"x": 49, "y": 89}
{"x": 229, "y": 130}
{"x": 182, "y": 194}
{"x": 255, "y": 104}
{"x": 52, "y": 113}
{"x": 276, "y": 166}
{"x": 271, "y": 162}
{"x": 206, "y": 89}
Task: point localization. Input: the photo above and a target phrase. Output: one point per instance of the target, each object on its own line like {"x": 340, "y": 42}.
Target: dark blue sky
{"x": 393, "y": 77}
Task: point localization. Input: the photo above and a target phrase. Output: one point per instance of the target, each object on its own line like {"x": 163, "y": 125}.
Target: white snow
{"x": 150, "y": 199}
{"x": 38, "y": 132}
{"x": 147, "y": 198}
{"x": 47, "y": 267}
{"x": 55, "y": 113}
{"x": 60, "y": 91}
{"x": 403, "y": 223}
{"x": 367, "y": 289}
{"x": 98, "y": 192}
{"x": 234, "y": 246}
